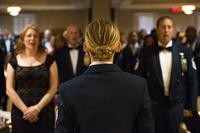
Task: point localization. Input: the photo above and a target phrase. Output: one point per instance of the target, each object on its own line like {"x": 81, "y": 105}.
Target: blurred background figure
{"x": 129, "y": 55}
{"x": 123, "y": 40}
{"x": 194, "y": 44}
{"x": 141, "y": 36}
{"x": 148, "y": 41}
{"x": 7, "y": 45}
{"x": 59, "y": 41}
{"x": 3, "y": 96}
{"x": 47, "y": 41}
{"x": 180, "y": 37}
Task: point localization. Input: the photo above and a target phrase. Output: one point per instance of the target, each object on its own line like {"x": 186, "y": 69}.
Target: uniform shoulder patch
{"x": 194, "y": 64}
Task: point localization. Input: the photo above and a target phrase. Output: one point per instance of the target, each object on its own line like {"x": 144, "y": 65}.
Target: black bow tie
{"x": 160, "y": 48}
{"x": 76, "y": 48}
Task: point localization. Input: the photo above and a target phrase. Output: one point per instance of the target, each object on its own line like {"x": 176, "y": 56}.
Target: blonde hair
{"x": 20, "y": 47}
{"x": 102, "y": 37}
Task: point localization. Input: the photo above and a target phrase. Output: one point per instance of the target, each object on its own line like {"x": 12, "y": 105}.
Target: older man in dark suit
{"x": 171, "y": 75}
{"x": 104, "y": 99}
{"x": 70, "y": 58}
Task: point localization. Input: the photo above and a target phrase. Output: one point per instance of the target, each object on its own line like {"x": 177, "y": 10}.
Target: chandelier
{"x": 188, "y": 9}
{"x": 13, "y": 10}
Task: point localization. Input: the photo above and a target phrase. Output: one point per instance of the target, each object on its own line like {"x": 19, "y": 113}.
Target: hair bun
{"x": 103, "y": 52}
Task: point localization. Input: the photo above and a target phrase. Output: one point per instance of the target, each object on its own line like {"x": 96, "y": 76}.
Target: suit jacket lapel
{"x": 80, "y": 59}
{"x": 175, "y": 64}
{"x": 68, "y": 61}
{"x": 157, "y": 67}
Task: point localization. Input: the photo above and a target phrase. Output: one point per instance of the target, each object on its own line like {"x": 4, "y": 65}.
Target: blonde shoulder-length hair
{"x": 20, "y": 47}
{"x": 102, "y": 37}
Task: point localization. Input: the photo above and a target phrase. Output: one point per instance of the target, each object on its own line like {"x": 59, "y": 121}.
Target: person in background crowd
{"x": 59, "y": 42}
{"x": 148, "y": 41}
{"x": 70, "y": 58}
{"x": 129, "y": 55}
{"x": 31, "y": 84}
{"x": 193, "y": 43}
{"x": 141, "y": 36}
{"x": 172, "y": 80}
{"x": 124, "y": 42}
{"x": 104, "y": 99}
{"x": 3, "y": 96}
{"x": 47, "y": 41}
{"x": 7, "y": 46}
{"x": 180, "y": 37}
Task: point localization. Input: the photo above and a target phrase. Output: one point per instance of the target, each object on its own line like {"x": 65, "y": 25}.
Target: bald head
{"x": 72, "y": 35}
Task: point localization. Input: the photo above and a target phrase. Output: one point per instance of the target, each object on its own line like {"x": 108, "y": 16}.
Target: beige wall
{"x": 124, "y": 20}
{"x": 57, "y": 20}
{"x": 127, "y": 20}
{"x": 60, "y": 19}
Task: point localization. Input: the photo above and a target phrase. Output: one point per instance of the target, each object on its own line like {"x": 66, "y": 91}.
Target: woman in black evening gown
{"x": 31, "y": 85}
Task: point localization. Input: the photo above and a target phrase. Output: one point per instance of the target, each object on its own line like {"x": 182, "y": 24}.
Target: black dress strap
{"x": 49, "y": 60}
{"x": 13, "y": 62}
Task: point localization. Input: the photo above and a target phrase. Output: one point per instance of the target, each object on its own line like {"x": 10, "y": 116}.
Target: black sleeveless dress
{"x": 31, "y": 84}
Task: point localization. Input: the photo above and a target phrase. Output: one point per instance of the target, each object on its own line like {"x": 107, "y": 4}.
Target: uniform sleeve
{"x": 64, "y": 123}
{"x": 191, "y": 83}
{"x": 145, "y": 122}
{"x": 13, "y": 63}
{"x": 50, "y": 59}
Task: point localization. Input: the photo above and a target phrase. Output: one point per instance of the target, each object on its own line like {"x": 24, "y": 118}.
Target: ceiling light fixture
{"x": 188, "y": 9}
{"x": 13, "y": 10}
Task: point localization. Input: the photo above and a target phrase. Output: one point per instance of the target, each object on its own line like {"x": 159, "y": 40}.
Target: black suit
{"x": 3, "y": 46}
{"x": 63, "y": 60}
{"x": 196, "y": 53}
{"x": 129, "y": 59}
{"x": 194, "y": 122}
{"x": 104, "y": 100}
{"x": 3, "y": 96}
{"x": 168, "y": 110}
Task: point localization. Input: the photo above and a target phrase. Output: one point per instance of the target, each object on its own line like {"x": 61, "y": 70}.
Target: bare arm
{"x": 53, "y": 87}
{"x": 32, "y": 112}
{"x": 10, "y": 90}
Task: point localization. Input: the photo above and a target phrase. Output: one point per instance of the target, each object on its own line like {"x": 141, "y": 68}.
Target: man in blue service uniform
{"x": 104, "y": 99}
{"x": 170, "y": 71}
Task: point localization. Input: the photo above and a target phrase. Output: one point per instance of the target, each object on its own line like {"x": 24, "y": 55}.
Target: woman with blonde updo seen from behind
{"x": 31, "y": 85}
{"x": 102, "y": 40}
{"x": 104, "y": 99}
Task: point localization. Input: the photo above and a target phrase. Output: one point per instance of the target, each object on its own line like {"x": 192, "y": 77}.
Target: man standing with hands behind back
{"x": 104, "y": 99}
{"x": 171, "y": 75}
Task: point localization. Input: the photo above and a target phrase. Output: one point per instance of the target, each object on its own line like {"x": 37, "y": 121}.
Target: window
{"x": 22, "y": 20}
{"x": 145, "y": 21}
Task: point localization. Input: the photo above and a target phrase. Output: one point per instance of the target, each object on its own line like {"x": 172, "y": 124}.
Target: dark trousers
{"x": 193, "y": 123}
{"x": 167, "y": 118}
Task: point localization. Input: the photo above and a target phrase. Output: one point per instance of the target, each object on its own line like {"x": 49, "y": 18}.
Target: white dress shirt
{"x": 100, "y": 62}
{"x": 8, "y": 45}
{"x": 74, "y": 58}
{"x": 165, "y": 57}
